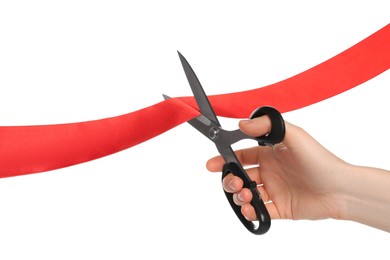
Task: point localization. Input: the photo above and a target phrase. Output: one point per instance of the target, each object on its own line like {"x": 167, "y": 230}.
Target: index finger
{"x": 246, "y": 157}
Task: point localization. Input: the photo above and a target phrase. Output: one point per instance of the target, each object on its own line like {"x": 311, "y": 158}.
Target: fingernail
{"x": 247, "y": 218}
{"x": 239, "y": 197}
{"x": 245, "y": 121}
{"x": 231, "y": 186}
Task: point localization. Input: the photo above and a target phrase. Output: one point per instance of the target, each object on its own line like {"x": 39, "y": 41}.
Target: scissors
{"x": 207, "y": 123}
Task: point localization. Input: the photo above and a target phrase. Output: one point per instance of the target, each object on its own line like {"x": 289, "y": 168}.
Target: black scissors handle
{"x": 276, "y": 135}
{"x": 278, "y": 128}
{"x": 257, "y": 202}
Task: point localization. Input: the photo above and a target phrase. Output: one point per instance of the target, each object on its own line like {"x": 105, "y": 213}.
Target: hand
{"x": 298, "y": 178}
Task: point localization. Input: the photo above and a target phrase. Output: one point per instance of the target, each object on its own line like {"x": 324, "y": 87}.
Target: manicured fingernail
{"x": 231, "y": 186}
{"x": 239, "y": 197}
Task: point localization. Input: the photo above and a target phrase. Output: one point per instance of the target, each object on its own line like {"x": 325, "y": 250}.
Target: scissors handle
{"x": 278, "y": 128}
{"x": 276, "y": 135}
{"x": 257, "y": 202}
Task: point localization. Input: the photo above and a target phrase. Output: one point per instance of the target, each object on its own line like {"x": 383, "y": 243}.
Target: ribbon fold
{"x": 33, "y": 149}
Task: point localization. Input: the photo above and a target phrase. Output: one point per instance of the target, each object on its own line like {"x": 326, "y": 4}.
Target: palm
{"x": 297, "y": 179}
{"x": 294, "y": 181}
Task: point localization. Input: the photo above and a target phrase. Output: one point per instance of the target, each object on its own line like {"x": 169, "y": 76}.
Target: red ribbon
{"x": 32, "y": 149}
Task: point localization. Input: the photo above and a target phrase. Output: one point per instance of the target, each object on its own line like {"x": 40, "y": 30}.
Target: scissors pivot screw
{"x": 213, "y": 133}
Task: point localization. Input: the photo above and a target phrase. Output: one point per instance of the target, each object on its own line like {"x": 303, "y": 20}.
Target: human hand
{"x": 298, "y": 178}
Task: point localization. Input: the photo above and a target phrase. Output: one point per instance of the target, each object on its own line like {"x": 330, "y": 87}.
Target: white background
{"x": 69, "y": 61}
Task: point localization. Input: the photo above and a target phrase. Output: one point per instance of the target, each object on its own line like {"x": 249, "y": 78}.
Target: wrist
{"x": 341, "y": 192}
{"x": 364, "y": 197}
{"x": 347, "y": 192}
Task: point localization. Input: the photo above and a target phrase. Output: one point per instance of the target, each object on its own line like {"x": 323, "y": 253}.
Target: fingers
{"x": 215, "y": 164}
{"x": 258, "y": 126}
{"x": 233, "y": 184}
{"x": 249, "y": 213}
{"x": 262, "y": 125}
{"x": 243, "y": 197}
{"x": 249, "y": 156}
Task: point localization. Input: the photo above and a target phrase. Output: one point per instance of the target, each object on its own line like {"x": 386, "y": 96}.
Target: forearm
{"x": 367, "y": 197}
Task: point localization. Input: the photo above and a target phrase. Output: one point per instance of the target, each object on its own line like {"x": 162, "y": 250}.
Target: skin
{"x": 300, "y": 179}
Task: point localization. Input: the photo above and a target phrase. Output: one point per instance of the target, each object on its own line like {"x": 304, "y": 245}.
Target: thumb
{"x": 258, "y": 126}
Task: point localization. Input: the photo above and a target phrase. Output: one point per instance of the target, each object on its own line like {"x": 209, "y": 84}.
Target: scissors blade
{"x": 201, "y": 123}
{"x": 197, "y": 90}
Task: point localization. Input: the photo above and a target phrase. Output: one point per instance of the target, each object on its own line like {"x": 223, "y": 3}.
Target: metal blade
{"x": 197, "y": 90}
{"x": 221, "y": 138}
{"x": 166, "y": 96}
